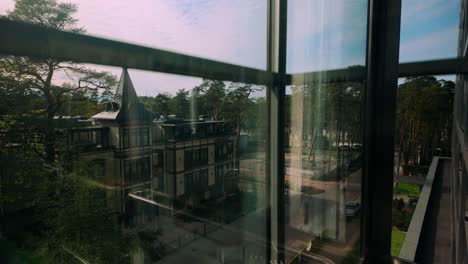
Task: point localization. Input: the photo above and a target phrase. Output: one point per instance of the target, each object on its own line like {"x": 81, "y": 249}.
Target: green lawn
{"x": 398, "y": 237}
{"x": 410, "y": 189}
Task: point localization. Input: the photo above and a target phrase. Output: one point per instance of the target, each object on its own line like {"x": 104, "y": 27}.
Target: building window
{"x": 135, "y": 137}
{"x": 137, "y": 171}
{"x": 170, "y": 161}
{"x": 195, "y": 158}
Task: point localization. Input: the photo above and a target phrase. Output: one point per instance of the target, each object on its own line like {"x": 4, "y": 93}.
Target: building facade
{"x": 459, "y": 184}
{"x": 185, "y": 161}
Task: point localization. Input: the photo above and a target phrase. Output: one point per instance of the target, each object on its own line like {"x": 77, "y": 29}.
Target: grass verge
{"x": 398, "y": 237}
{"x": 410, "y": 189}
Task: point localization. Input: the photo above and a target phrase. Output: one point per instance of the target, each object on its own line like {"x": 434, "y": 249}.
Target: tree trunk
{"x": 340, "y": 152}
{"x": 330, "y": 151}
{"x": 312, "y": 141}
{"x": 51, "y": 110}
{"x": 400, "y": 149}
{"x": 350, "y": 143}
{"x": 49, "y": 141}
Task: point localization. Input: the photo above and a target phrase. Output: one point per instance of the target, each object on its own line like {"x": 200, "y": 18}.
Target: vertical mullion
{"x": 383, "y": 42}
{"x": 277, "y": 19}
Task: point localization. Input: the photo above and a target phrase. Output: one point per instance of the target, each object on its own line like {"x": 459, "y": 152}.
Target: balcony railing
{"x": 421, "y": 240}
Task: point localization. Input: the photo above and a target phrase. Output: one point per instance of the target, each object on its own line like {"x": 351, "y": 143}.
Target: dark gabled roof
{"x": 130, "y": 108}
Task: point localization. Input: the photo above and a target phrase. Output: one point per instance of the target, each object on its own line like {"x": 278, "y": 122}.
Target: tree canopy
{"x": 47, "y": 13}
{"x": 424, "y": 114}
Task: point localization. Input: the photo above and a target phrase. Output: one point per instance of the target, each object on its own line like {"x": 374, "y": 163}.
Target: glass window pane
{"x": 326, "y": 34}
{"x": 198, "y": 195}
{"x": 220, "y": 30}
{"x": 423, "y": 132}
{"x": 429, "y": 29}
{"x": 324, "y": 129}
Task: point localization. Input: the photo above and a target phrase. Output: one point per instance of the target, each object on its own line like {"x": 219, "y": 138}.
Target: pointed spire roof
{"x": 125, "y": 94}
{"x": 129, "y": 109}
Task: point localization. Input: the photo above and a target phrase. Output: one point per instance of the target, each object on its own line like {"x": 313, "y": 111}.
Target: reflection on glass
{"x": 326, "y": 34}
{"x": 132, "y": 185}
{"x": 423, "y": 130}
{"x": 91, "y": 172}
{"x": 221, "y": 30}
{"x": 429, "y": 29}
{"x": 323, "y": 149}
{"x": 323, "y": 169}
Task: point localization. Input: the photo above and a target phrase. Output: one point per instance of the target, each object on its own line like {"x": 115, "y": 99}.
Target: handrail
{"x": 405, "y": 69}
{"x": 410, "y": 245}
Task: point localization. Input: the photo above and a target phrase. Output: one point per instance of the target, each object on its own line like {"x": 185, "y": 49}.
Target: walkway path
{"x": 443, "y": 231}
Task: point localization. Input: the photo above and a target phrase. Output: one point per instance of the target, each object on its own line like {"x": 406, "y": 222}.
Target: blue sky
{"x": 429, "y": 29}
{"x": 322, "y": 34}
{"x": 326, "y": 34}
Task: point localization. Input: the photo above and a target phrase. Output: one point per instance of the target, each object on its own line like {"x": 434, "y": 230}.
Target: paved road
{"x": 331, "y": 250}
{"x": 246, "y": 230}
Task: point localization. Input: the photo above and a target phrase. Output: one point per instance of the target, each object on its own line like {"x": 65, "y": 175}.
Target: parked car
{"x": 352, "y": 209}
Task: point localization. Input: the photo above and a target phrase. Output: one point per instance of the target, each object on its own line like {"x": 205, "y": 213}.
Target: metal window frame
{"x": 405, "y": 69}
{"x": 276, "y": 63}
{"x": 16, "y": 39}
{"x": 381, "y": 74}
{"x": 383, "y": 42}
{"x": 67, "y": 46}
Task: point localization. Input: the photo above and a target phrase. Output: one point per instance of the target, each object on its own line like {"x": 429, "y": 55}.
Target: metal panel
{"x": 276, "y": 62}
{"x": 49, "y": 43}
{"x": 17, "y": 39}
{"x": 358, "y": 72}
{"x": 180, "y": 185}
{"x": 434, "y": 67}
{"x": 379, "y": 115}
{"x": 180, "y": 159}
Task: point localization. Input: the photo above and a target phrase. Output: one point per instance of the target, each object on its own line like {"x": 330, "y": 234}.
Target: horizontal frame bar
{"x": 49, "y": 43}
{"x": 22, "y": 39}
{"x": 383, "y": 43}
{"x": 276, "y": 62}
{"x": 407, "y": 69}
{"x": 353, "y": 73}
{"x": 433, "y": 67}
